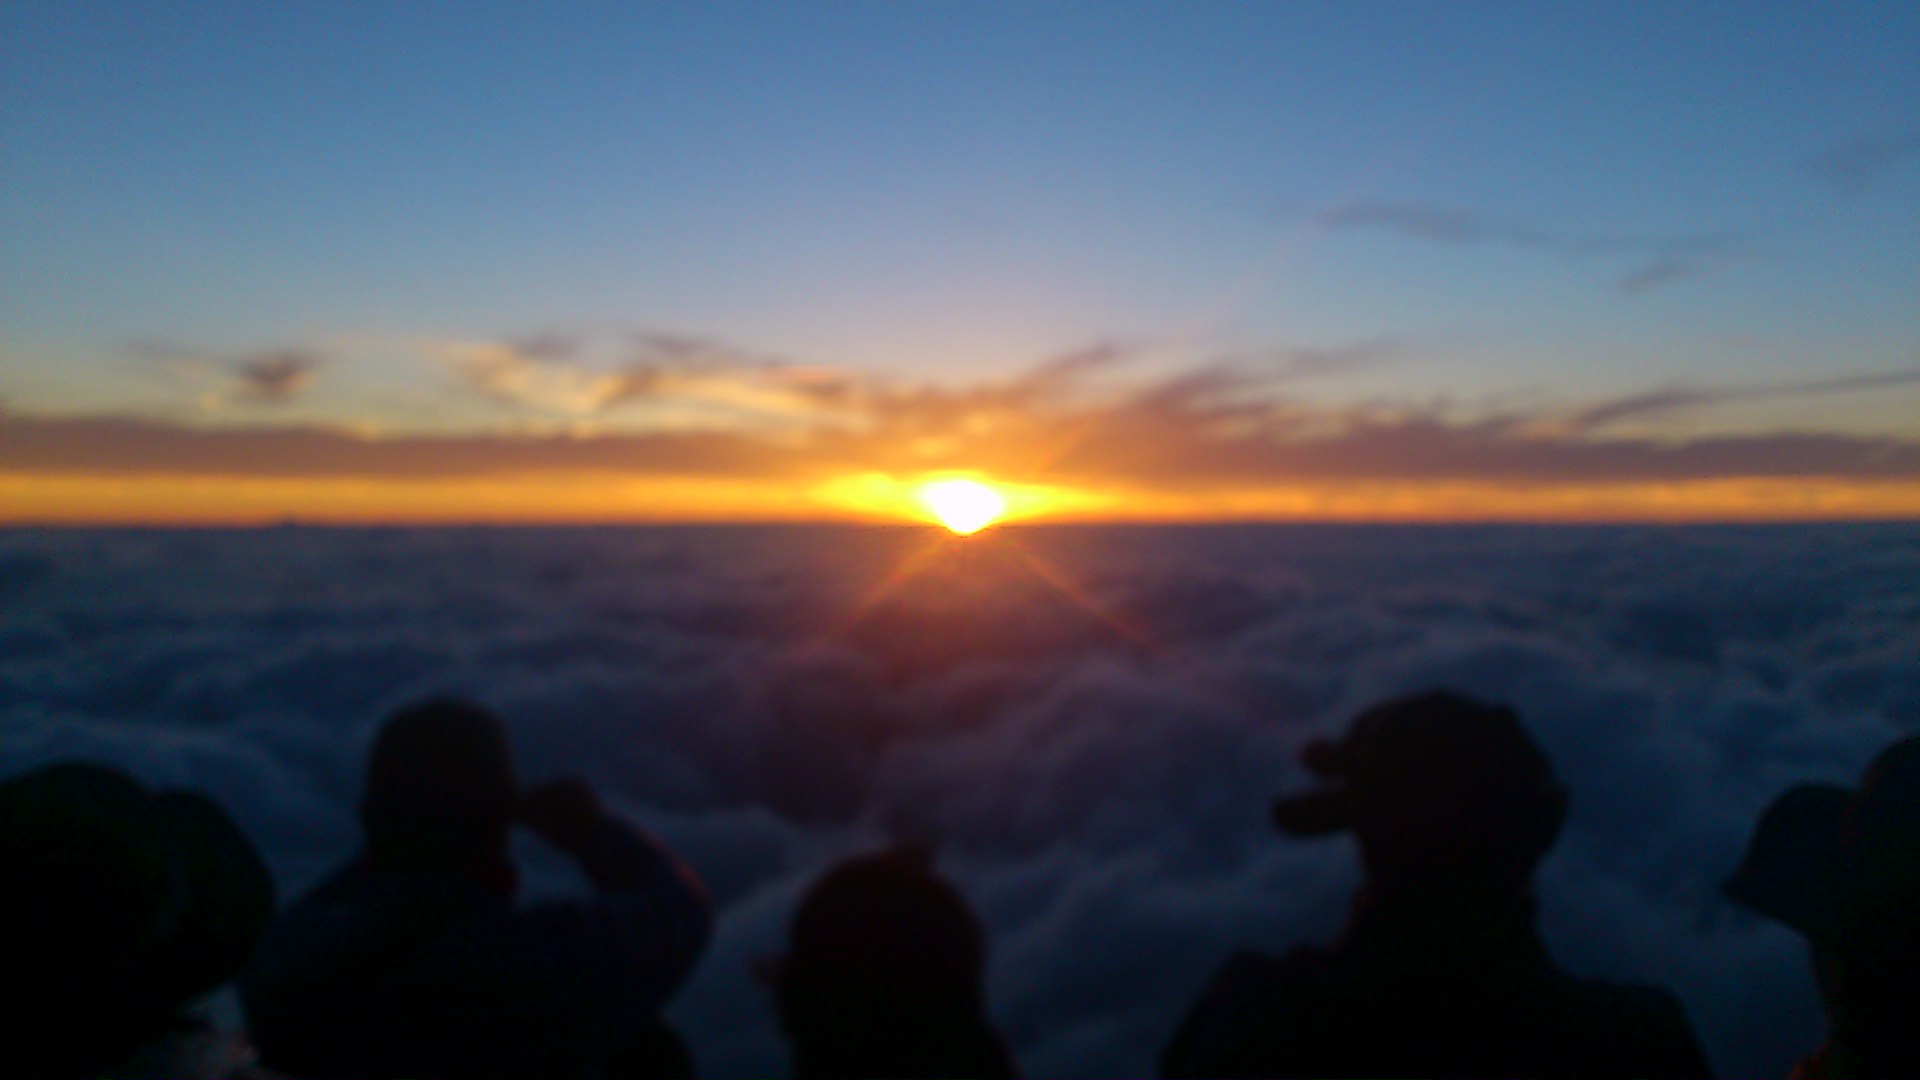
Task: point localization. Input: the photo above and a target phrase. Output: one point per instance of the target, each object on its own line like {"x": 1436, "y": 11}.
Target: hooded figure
{"x": 121, "y": 908}
{"x": 1440, "y": 971}
{"x": 1842, "y": 867}
{"x": 414, "y": 958}
{"x": 884, "y": 976}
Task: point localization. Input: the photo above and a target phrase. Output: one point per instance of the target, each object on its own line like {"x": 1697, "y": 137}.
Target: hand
{"x": 563, "y": 812}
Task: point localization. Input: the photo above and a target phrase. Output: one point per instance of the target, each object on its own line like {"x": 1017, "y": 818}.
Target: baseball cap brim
{"x": 1316, "y": 813}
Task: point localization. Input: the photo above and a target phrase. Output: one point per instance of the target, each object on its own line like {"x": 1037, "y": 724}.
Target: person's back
{"x": 1385, "y": 1001}
{"x": 415, "y": 960}
{"x": 1440, "y": 970}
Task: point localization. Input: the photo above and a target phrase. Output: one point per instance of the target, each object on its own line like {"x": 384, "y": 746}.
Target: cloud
{"x": 545, "y": 346}
{"x": 1658, "y": 272}
{"x": 266, "y": 377}
{"x": 534, "y": 373}
{"x": 1314, "y": 362}
{"x": 1662, "y": 260}
{"x": 1228, "y": 423}
{"x": 1857, "y": 165}
{"x": 132, "y": 446}
{"x": 582, "y": 376}
{"x": 276, "y": 377}
{"x": 1099, "y": 798}
{"x": 1672, "y": 399}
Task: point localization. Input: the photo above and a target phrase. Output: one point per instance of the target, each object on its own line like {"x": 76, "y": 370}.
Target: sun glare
{"x": 965, "y": 506}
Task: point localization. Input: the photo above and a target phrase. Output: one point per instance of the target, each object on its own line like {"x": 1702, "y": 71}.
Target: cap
{"x": 1438, "y": 757}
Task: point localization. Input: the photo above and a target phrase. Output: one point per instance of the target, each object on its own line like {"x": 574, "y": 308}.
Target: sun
{"x": 965, "y": 506}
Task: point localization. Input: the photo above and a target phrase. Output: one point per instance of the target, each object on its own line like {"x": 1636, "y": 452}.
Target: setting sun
{"x": 965, "y": 506}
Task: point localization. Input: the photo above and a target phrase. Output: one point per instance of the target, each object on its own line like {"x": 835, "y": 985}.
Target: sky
{"x": 775, "y": 261}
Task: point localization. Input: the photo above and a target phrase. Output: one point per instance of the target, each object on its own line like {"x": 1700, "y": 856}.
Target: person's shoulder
{"x": 1644, "y": 1026}
{"x": 1248, "y": 993}
{"x": 353, "y": 926}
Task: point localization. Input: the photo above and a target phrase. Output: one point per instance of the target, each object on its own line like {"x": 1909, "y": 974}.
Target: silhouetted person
{"x": 415, "y": 960}
{"x": 1440, "y": 971}
{"x": 884, "y": 977}
{"x": 1843, "y": 868}
{"x": 120, "y": 908}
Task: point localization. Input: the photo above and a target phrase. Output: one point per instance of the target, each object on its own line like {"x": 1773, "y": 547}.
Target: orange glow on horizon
{"x": 881, "y": 498}
{"x": 963, "y": 502}
{"x": 963, "y": 505}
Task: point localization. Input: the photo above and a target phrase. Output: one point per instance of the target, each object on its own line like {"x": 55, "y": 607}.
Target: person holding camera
{"x": 415, "y": 960}
{"x": 1440, "y": 971}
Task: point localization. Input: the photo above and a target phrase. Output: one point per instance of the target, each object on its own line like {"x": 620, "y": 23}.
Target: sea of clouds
{"x": 1087, "y": 722}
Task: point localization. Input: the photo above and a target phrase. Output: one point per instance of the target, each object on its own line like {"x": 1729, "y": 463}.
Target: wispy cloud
{"x": 276, "y": 377}
{"x": 1214, "y": 426}
{"x": 1661, "y": 271}
{"x": 266, "y": 377}
{"x": 595, "y": 375}
{"x": 1857, "y": 164}
{"x": 1677, "y": 398}
{"x": 1314, "y": 362}
{"x": 1659, "y": 260}
{"x": 537, "y": 375}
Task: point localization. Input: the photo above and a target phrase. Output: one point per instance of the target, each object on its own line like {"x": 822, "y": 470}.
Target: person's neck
{"x": 1475, "y": 894}
{"x": 497, "y": 876}
{"x": 1464, "y": 915}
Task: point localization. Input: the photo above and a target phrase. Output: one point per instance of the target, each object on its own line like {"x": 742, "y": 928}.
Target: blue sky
{"x": 1505, "y": 207}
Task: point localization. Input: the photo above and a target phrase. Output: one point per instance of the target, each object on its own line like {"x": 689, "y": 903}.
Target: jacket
{"x": 380, "y": 973}
{"x": 1417, "y": 988}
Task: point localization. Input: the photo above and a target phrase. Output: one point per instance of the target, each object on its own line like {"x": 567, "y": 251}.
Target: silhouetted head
{"x": 440, "y": 790}
{"x": 884, "y": 975}
{"x": 120, "y": 907}
{"x": 1842, "y": 866}
{"x": 1436, "y": 787}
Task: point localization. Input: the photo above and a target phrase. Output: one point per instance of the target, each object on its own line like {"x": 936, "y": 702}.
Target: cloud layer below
{"x": 1088, "y": 722}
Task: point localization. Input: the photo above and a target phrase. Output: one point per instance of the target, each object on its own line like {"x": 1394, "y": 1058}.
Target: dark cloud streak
{"x": 277, "y": 377}
{"x": 134, "y": 446}
{"x": 1198, "y": 430}
{"x": 266, "y": 377}
{"x": 1672, "y": 399}
{"x": 1662, "y": 259}
{"x": 1857, "y": 165}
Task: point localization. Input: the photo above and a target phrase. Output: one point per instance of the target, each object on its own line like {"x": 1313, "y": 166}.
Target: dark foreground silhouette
{"x": 883, "y": 977}
{"x": 120, "y": 908}
{"x": 1440, "y": 971}
{"x": 1842, "y": 866}
{"x": 414, "y": 960}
